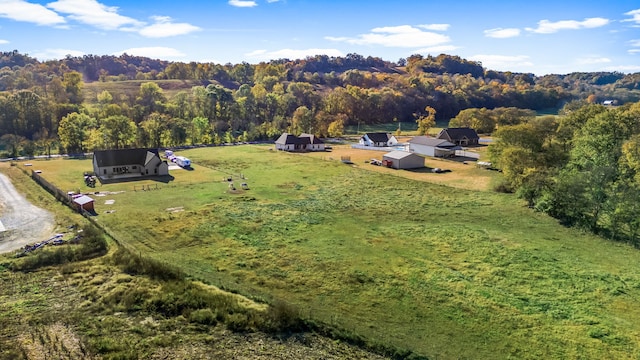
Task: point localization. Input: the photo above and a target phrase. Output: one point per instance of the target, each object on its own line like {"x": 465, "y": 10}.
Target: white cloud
{"x": 635, "y": 43}
{"x": 243, "y": 3}
{"x": 56, "y": 54}
{"x": 548, "y": 27}
{"x": 291, "y": 53}
{"x": 20, "y": 10}
{"x": 2, "y": 41}
{"x": 165, "y": 28}
{"x": 590, "y": 60}
{"x": 435, "y": 27}
{"x": 500, "y": 33}
{"x": 272, "y": 1}
{"x": 633, "y": 51}
{"x": 502, "y": 62}
{"x": 396, "y": 36}
{"x": 635, "y": 16}
{"x": 155, "y": 52}
{"x": 624, "y": 68}
{"x": 94, "y": 13}
{"x": 437, "y": 49}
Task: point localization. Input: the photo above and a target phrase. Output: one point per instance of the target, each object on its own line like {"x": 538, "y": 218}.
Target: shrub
{"x": 203, "y": 316}
{"x": 283, "y": 317}
{"x": 138, "y": 265}
{"x": 92, "y": 245}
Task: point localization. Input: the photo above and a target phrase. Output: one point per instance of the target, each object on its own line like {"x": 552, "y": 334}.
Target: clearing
{"x": 23, "y": 222}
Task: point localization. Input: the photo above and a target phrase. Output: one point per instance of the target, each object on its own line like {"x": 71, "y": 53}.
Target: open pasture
{"x": 447, "y": 272}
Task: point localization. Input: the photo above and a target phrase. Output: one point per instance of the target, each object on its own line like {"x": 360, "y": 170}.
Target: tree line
{"x": 43, "y": 102}
{"x": 582, "y": 167}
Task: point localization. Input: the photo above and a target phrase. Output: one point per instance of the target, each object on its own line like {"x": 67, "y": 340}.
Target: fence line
{"x": 469, "y": 154}
{"x": 64, "y": 198}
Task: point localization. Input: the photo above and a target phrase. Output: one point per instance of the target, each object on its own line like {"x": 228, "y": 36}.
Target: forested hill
{"x": 211, "y": 102}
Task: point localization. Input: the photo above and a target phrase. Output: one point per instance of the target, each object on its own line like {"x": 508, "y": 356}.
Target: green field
{"x": 446, "y": 272}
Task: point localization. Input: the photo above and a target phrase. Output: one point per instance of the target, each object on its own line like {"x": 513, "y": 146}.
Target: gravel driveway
{"x": 24, "y": 223}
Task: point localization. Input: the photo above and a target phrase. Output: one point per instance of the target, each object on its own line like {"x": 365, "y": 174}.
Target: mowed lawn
{"x": 447, "y": 272}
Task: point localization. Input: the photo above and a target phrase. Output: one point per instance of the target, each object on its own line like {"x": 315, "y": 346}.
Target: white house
{"x": 428, "y": 146}
{"x": 402, "y": 160}
{"x": 378, "y": 140}
{"x": 304, "y": 142}
{"x": 128, "y": 163}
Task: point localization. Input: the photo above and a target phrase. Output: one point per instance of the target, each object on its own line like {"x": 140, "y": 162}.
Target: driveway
{"x": 23, "y": 222}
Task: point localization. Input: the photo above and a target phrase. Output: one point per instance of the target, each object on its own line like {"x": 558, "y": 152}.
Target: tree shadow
{"x": 163, "y": 179}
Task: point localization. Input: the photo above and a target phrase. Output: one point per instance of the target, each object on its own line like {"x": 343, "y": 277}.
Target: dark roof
{"x": 304, "y": 139}
{"x": 312, "y": 138}
{"x": 460, "y": 133}
{"x": 124, "y": 157}
{"x": 378, "y": 137}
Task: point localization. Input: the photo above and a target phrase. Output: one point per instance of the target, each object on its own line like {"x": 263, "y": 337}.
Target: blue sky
{"x": 541, "y": 37}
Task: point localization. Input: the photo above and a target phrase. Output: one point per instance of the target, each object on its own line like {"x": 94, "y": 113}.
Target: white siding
{"x": 422, "y": 149}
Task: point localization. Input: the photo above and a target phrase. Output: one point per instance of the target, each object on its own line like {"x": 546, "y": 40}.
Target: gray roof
{"x": 397, "y": 154}
{"x": 81, "y": 200}
{"x": 124, "y": 157}
{"x": 429, "y": 141}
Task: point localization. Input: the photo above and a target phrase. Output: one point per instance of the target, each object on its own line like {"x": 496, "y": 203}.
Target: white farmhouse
{"x": 378, "y": 140}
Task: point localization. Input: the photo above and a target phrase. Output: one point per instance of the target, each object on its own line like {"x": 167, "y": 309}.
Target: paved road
{"x": 24, "y": 223}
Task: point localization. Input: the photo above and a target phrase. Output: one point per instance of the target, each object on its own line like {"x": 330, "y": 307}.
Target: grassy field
{"x": 119, "y": 306}
{"x": 441, "y": 270}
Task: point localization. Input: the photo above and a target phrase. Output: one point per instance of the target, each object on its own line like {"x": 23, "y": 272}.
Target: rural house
{"x": 304, "y": 142}
{"x": 378, "y": 140}
{"x": 128, "y": 163}
{"x": 402, "y": 160}
{"x": 460, "y": 136}
{"x": 428, "y": 146}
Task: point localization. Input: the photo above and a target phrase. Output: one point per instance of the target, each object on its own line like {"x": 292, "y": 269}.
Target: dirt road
{"x": 23, "y": 222}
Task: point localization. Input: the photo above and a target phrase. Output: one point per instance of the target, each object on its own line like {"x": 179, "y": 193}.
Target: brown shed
{"x": 83, "y": 202}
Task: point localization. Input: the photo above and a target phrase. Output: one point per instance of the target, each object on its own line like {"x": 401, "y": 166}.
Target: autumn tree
{"x": 426, "y": 122}
{"x": 119, "y": 131}
{"x": 73, "y": 130}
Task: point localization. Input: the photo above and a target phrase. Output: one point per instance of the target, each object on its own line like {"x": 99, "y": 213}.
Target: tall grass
{"x": 438, "y": 271}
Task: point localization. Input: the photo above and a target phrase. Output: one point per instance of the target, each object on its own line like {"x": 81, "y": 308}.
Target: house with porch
{"x": 304, "y": 142}
{"x": 378, "y": 140}
{"x": 460, "y": 136}
{"x": 128, "y": 163}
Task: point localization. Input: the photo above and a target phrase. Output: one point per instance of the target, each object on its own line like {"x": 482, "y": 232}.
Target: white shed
{"x": 402, "y": 160}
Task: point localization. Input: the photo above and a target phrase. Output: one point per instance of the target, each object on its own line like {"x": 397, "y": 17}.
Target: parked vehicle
{"x": 183, "y": 161}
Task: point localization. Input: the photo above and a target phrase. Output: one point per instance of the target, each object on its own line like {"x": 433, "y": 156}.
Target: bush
{"x": 92, "y": 245}
{"x": 138, "y": 265}
{"x": 283, "y": 317}
{"x": 203, "y": 316}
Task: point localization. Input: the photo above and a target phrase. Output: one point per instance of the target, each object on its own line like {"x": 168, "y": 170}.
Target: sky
{"x": 540, "y": 37}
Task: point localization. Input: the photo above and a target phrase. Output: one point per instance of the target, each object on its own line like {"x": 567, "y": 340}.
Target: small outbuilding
{"x": 403, "y": 160}
{"x": 428, "y": 146}
{"x": 83, "y": 202}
